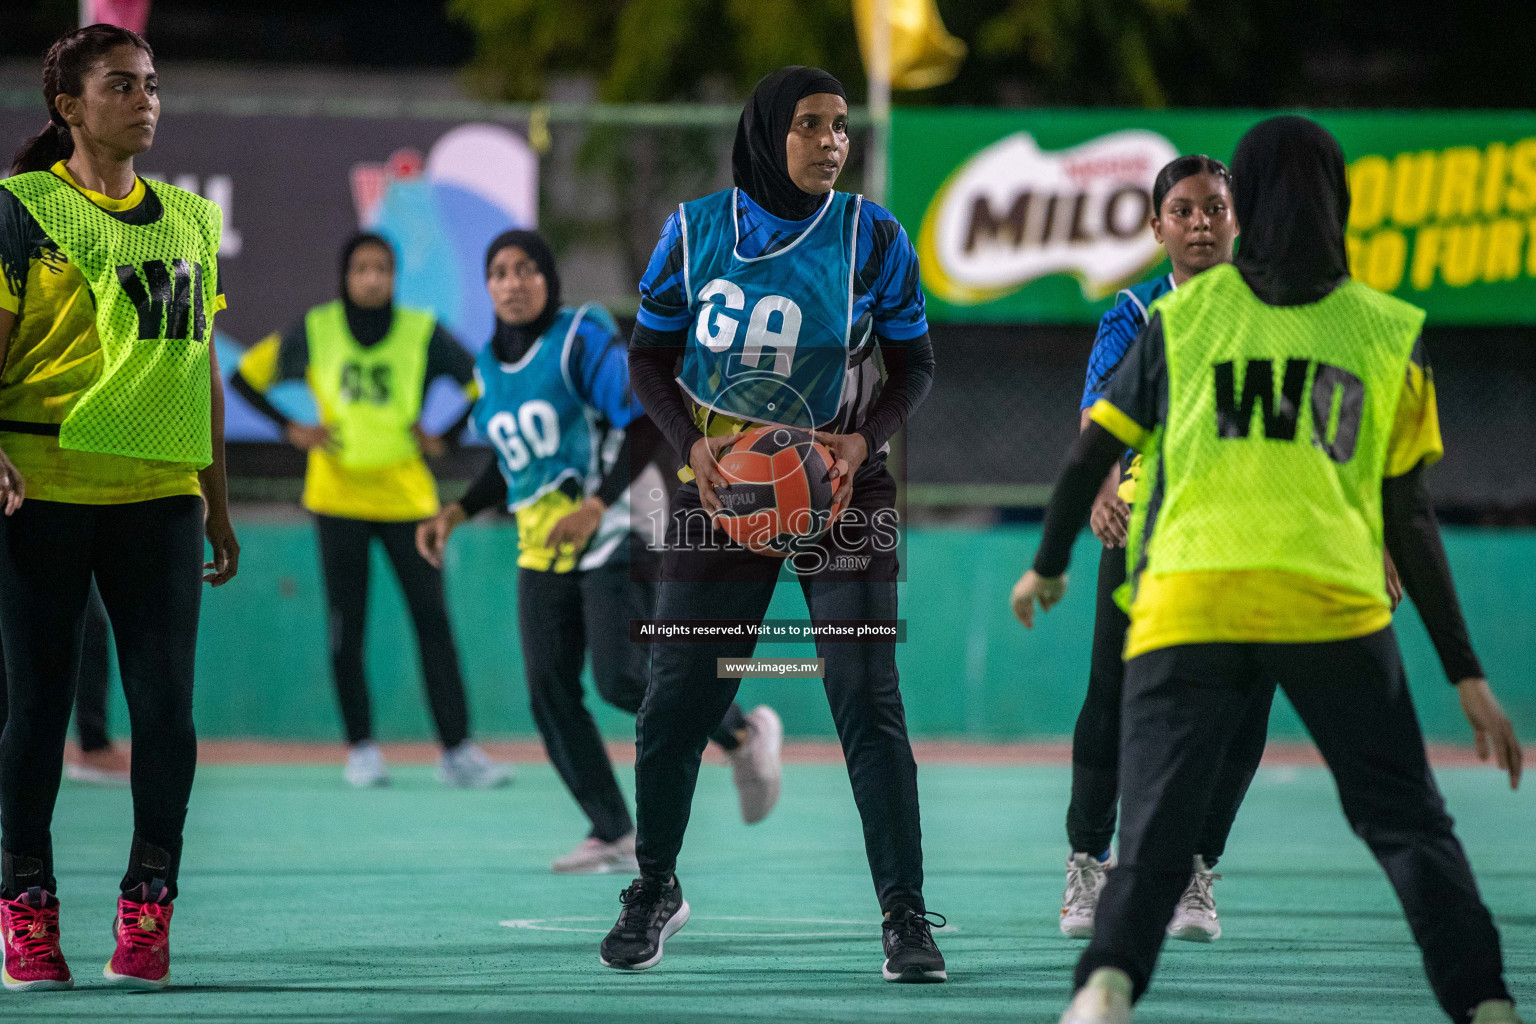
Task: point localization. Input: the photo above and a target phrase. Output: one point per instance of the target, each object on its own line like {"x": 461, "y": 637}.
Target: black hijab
{"x": 759, "y": 163}
{"x": 368, "y": 326}
{"x": 512, "y": 341}
{"x": 1291, "y": 197}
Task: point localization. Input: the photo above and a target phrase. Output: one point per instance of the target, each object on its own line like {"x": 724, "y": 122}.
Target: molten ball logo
{"x": 1014, "y": 213}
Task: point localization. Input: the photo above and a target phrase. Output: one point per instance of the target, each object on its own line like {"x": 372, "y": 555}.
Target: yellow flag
{"x": 923, "y": 53}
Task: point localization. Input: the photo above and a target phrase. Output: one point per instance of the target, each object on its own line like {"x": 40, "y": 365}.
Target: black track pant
{"x": 1096, "y": 740}
{"x": 147, "y": 560}
{"x": 344, "y": 547}
{"x": 560, "y": 616}
{"x": 94, "y": 676}
{"x": 1183, "y": 707}
{"x": 702, "y": 578}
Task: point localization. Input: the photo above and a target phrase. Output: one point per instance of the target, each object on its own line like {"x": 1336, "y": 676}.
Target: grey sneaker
{"x": 1195, "y": 920}
{"x": 756, "y": 765}
{"x": 365, "y": 765}
{"x": 466, "y": 766}
{"x": 1086, "y": 875}
{"x": 593, "y": 856}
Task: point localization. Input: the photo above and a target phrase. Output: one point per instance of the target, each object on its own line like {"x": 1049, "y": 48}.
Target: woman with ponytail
{"x": 112, "y": 470}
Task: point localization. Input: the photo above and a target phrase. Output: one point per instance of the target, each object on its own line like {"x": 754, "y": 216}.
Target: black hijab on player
{"x": 368, "y": 326}
{"x": 1291, "y": 197}
{"x": 512, "y": 341}
{"x": 759, "y": 163}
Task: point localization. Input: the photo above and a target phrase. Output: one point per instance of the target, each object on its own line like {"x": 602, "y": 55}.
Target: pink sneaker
{"x": 33, "y": 959}
{"x": 143, "y": 929}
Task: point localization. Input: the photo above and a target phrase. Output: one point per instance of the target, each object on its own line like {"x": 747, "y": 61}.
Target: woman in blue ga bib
{"x": 783, "y": 301}
{"x": 573, "y": 448}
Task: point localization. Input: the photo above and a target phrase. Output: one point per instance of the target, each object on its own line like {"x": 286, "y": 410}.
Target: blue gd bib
{"x": 543, "y": 433}
{"x": 770, "y": 334}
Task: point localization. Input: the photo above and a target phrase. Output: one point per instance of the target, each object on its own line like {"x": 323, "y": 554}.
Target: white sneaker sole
{"x": 671, "y": 928}
{"x": 130, "y": 981}
{"x": 1195, "y": 933}
{"x": 88, "y": 776}
{"x": 42, "y": 985}
{"x": 1077, "y": 930}
{"x": 491, "y": 780}
{"x": 629, "y": 866}
{"x": 912, "y": 977}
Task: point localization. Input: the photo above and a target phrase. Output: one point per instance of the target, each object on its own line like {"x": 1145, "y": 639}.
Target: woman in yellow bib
{"x": 112, "y": 426}
{"x": 368, "y": 363}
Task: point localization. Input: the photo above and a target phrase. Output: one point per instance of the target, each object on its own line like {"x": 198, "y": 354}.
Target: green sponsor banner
{"x": 1041, "y": 216}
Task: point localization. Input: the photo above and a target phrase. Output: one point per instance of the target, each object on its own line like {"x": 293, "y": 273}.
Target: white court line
{"x": 563, "y": 924}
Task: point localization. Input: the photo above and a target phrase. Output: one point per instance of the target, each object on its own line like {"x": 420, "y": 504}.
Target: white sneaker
{"x": 1496, "y": 1011}
{"x": 1194, "y": 920}
{"x": 1106, "y": 999}
{"x": 365, "y": 765}
{"x": 466, "y": 766}
{"x": 756, "y": 765}
{"x": 1086, "y": 875}
{"x": 592, "y": 856}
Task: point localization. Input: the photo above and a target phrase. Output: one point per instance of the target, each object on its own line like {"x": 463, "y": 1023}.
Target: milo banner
{"x": 1041, "y": 216}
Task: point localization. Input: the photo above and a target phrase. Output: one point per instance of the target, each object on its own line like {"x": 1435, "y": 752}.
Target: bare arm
{"x": 1110, "y": 519}
{"x": 221, "y": 533}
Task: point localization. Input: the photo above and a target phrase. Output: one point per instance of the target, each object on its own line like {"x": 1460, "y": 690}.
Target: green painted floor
{"x": 303, "y": 901}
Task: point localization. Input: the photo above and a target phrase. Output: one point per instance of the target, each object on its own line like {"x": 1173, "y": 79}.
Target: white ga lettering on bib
{"x": 716, "y": 327}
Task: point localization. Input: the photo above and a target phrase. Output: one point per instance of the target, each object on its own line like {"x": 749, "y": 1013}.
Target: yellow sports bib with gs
{"x": 369, "y": 397}
{"x": 1272, "y": 455}
{"x": 154, "y": 287}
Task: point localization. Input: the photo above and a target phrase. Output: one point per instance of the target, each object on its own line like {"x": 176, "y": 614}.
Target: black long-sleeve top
{"x": 1411, "y": 532}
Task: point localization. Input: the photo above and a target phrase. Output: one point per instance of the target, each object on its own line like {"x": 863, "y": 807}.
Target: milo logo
{"x": 1014, "y": 213}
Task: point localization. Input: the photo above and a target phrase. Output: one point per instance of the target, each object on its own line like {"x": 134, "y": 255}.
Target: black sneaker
{"x": 653, "y": 912}
{"x": 910, "y": 953}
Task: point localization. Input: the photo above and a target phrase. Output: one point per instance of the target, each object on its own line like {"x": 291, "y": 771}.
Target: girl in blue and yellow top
{"x": 1192, "y": 218}
{"x": 572, "y": 443}
{"x": 112, "y": 425}
{"x": 368, "y": 363}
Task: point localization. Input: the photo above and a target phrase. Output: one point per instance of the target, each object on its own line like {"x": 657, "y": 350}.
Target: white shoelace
{"x": 1199, "y": 897}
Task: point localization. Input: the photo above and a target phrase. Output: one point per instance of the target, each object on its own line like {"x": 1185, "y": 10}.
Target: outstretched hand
{"x": 1032, "y": 587}
{"x": 1493, "y": 735}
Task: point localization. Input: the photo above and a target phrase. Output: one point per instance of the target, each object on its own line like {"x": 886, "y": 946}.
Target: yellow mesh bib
{"x": 154, "y": 287}
{"x": 1276, "y": 436}
{"x": 369, "y": 396}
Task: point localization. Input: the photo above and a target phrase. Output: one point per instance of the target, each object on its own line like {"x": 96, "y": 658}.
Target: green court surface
{"x": 304, "y": 901}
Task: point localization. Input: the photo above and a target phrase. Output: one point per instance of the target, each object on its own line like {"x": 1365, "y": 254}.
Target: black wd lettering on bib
{"x": 1338, "y": 400}
{"x": 166, "y": 297}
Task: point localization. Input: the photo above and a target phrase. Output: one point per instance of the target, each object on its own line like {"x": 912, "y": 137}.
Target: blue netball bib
{"x": 769, "y": 336}
{"x": 529, "y": 410}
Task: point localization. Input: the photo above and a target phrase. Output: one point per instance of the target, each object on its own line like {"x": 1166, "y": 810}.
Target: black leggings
{"x": 854, "y": 577}
{"x": 147, "y": 560}
{"x": 560, "y": 616}
{"x": 1183, "y": 707}
{"x": 91, "y": 683}
{"x": 1096, "y": 740}
{"x": 344, "y": 547}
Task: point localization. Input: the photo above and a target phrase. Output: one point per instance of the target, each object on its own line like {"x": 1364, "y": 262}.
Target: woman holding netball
{"x": 555, "y": 400}
{"x": 783, "y": 299}
{"x": 1192, "y": 218}
{"x": 112, "y": 425}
